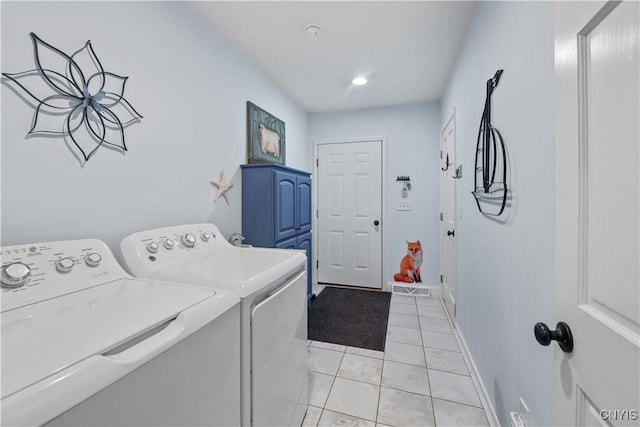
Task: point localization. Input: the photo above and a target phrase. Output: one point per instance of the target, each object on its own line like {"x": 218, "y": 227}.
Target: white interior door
{"x": 597, "y": 110}
{"x": 448, "y": 259}
{"x": 349, "y": 223}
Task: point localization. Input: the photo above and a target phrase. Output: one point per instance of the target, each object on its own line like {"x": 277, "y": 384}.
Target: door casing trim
{"x": 450, "y": 121}
{"x": 384, "y": 207}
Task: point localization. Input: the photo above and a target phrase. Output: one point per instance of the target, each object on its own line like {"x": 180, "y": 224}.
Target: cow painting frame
{"x": 265, "y": 136}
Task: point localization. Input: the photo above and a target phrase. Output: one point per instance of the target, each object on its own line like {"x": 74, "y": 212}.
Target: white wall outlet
{"x": 523, "y": 410}
{"x": 403, "y": 205}
{"x": 516, "y": 421}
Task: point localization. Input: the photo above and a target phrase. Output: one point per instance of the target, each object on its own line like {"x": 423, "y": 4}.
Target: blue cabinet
{"x": 276, "y": 209}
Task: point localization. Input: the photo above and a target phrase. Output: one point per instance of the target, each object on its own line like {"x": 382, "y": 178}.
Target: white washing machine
{"x": 85, "y": 344}
{"x": 271, "y": 284}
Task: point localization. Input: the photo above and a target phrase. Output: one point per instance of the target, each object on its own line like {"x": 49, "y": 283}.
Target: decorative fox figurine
{"x": 410, "y": 264}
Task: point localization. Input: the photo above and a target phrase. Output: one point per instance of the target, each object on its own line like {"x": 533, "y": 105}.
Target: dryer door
{"x": 279, "y": 356}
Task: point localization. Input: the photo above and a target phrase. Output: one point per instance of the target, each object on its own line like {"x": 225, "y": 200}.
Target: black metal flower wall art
{"x": 75, "y": 98}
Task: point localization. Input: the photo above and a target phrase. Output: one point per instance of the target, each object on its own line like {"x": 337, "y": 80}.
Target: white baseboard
{"x": 492, "y": 417}
{"x": 489, "y": 410}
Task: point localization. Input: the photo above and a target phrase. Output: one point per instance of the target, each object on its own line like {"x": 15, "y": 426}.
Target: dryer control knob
{"x": 205, "y": 237}
{"x": 153, "y": 247}
{"x": 93, "y": 259}
{"x": 168, "y": 243}
{"x": 64, "y": 265}
{"x": 15, "y": 275}
{"x": 188, "y": 240}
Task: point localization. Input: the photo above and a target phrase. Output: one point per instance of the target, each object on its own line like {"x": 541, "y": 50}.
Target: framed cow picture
{"x": 265, "y": 136}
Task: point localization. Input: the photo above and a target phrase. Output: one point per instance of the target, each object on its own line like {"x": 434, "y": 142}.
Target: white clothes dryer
{"x": 271, "y": 284}
{"x": 84, "y": 344}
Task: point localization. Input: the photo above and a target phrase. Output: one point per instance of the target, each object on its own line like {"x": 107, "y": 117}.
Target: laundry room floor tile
{"x": 312, "y": 416}
{"x": 365, "y": 352}
{"x": 453, "y": 387}
{"x": 403, "y": 299}
{"x": 328, "y": 346}
{"x": 319, "y": 388}
{"x": 399, "y": 408}
{"x": 330, "y": 418}
{"x": 435, "y": 325}
{"x": 439, "y": 340}
{"x": 400, "y": 376}
{"x": 434, "y": 302}
{"x": 324, "y": 361}
{"x": 399, "y": 308}
{"x": 354, "y": 398}
{"x": 404, "y": 320}
{"x": 430, "y": 311}
{"x": 445, "y": 360}
{"x": 419, "y": 380}
{"x": 404, "y": 353}
{"x": 454, "y": 414}
{"x": 361, "y": 368}
{"x": 404, "y": 335}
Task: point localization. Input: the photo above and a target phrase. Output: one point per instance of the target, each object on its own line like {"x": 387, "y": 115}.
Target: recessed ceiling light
{"x": 313, "y": 31}
{"x": 359, "y": 81}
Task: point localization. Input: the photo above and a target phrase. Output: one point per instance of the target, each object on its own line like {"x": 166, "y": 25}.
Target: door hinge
{"x": 317, "y": 214}
{"x": 441, "y": 216}
{"x": 316, "y": 263}
{"x": 317, "y": 162}
{"x": 441, "y": 279}
{"x": 440, "y": 154}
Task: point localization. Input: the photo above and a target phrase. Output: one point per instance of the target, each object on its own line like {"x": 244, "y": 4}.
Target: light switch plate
{"x": 403, "y": 205}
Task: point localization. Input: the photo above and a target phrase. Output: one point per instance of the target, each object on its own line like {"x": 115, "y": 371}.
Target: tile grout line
{"x": 433, "y": 410}
{"x": 380, "y": 388}
{"x": 384, "y": 360}
{"x": 324, "y": 405}
{"x": 458, "y": 403}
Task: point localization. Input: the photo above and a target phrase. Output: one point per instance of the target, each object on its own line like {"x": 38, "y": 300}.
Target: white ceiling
{"x": 405, "y": 49}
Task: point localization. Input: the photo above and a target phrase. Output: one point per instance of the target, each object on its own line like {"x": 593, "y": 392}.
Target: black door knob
{"x": 562, "y": 334}
{"x": 451, "y": 233}
{"x": 376, "y": 223}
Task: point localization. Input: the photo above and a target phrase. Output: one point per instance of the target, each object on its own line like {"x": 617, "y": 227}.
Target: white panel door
{"x": 448, "y": 258}
{"x": 598, "y": 227}
{"x": 350, "y": 214}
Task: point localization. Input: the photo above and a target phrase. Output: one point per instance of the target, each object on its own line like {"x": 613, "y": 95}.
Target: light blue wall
{"x": 506, "y": 272}
{"x": 412, "y": 133}
{"x": 190, "y": 86}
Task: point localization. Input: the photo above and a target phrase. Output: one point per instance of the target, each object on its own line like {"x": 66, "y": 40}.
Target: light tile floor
{"x": 421, "y": 379}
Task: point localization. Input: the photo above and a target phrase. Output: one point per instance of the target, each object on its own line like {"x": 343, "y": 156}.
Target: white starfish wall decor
{"x": 223, "y": 187}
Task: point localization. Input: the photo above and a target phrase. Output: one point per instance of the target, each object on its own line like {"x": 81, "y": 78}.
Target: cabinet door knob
{"x": 376, "y": 223}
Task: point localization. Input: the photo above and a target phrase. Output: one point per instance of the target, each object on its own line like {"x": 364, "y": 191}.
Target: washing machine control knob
{"x": 15, "y": 275}
{"x": 64, "y": 265}
{"x": 153, "y": 247}
{"x": 93, "y": 259}
{"x": 189, "y": 240}
{"x": 168, "y": 243}
{"x": 205, "y": 237}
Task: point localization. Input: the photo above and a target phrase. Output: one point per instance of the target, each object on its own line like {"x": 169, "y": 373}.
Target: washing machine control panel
{"x": 145, "y": 251}
{"x": 35, "y": 272}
